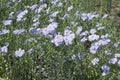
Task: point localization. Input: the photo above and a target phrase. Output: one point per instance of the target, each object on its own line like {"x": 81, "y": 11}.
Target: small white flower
{"x": 112, "y": 61}
{"x": 19, "y": 52}
{"x": 30, "y": 40}
{"x": 104, "y": 74}
{"x": 50, "y": 29}
{"x": 117, "y": 55}
{"x": 38, "y": 10}
{"x": 100, "y": 28}
{"x": 58, "y": 40}
{"x": 30, "y": 51}
{"x": 116, "y": 44}
{"x": 11, "y": 15}
{"x": 33, "y": 7}
{"x": 53, "y": 25}
{"x": 118, "y": 63}
{"x": 98, "y": 24}
{"x": 104, "y": 36}
{"x": 94, "y": 49}
{"x": 70, "y": 8}
{"x": 77, "y": 14}
{"x": 93, "y": 31}
{"x": 93, "y": 37}
{"x": 36, "y": 18}
{"x": 4, "y": 49}
{"x": 104, "y": 41}
{"x": 90, "y": 16}
{"x": 74, "y": 23}
{"x": 7, "y": 22}
{"x": 21, "y": 15}
{"x": 54, "y": 2}
{"x": 45, "y": 31}
{"x": 95, "y": 61}
{"x": 41, "y": 8}
{"x": 85, "y": 33}
{"x": 108, "y": 52}
{"x": 19, "y": 31}
{"x": 79, "y": 29}
{"x": 32, "y": 30}
{"x": 41, "y": 0}
{"x": 105, "y": 69}
{"x": 67, "y": 31}
{"x": 60, "y": 4}
{"x": 66, "y": 15}
{"x": 69, "y": 38}
{"x": 83, "y": 16}
{"x": 36, "y": 24}
{"x": 5, "y": 31}
{"x": 97, "y": 44}
{"x": 105, "y": 16}
{"x": 51, "y": 20}
{"x": 80, "y": 56}
{"x": 13, "y": 0}
{"x": 48, "y": 10}
{"x": 38, "y": 30}
{"x": 73, "y": 57}
{"x": 54, "y": 14}
{"x": 83, "y": 39}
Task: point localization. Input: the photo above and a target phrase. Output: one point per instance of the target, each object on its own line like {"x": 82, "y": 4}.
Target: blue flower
{"x": 79, "y": 29}
{"x": 36, "y": 24}
{"x": 92, "y": 15}
{"x": 20, "y": 16}
{"x": 68, "y": 36}
{"x": 95, "y": 61}
{"x": 105, "y": 69}
{"x": 50, "y": 29}
{"x": 84, "y": 39}
{"x": 7, "y": 22}
{"x": 105, "y": 16}
{"x": 68, "y": 39}
{"x": 4, "y": 31}
{"x": 85, "y": 33}
{"x": 93, "y": 37}
{"x": 93, "y": 31}
{"x": 117, "y": 55}
{"x": 73, "y": 57}
{"x": 19, "y": 53}
{"x": 104, "y": 41}
{"x": 30, "y": 51}
{"x": 54, "y": 14}
{"x": 4, "y": 49}
{"x": 19, "y": 31}
{"x": 108, "y": 52}
{"x": 94, "y": 49}
{"x": 58, "y": 40}
{"x": 118, "y": 63}
{"x": 70, "y": 8}
{"x": 83, "y": 16}
{"x": 116, "y": 44}
{"x": 113, "y": 60}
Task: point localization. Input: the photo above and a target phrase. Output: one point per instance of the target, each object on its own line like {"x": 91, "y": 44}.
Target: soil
{"x": 115, "y": 12}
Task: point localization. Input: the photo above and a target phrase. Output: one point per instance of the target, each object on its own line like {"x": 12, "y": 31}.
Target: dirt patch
{"x": 115, "y": 12}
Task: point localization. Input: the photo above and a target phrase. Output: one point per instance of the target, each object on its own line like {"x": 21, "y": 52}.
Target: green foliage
{"x": 50, "y": 62}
